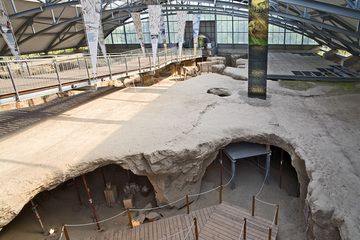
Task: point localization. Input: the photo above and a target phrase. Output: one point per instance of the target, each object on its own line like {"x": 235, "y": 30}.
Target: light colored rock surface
{"x": 236, "y": 73}
{"x": 153, "y": 216}
{"x": 217, "y": 68}
{"x": 241, "y": 62}
{"x": 217, "y": 60}
{"x": 173, "y": 137}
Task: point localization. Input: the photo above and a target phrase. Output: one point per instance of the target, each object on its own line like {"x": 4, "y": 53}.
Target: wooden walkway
{"x": 220, "y": 222}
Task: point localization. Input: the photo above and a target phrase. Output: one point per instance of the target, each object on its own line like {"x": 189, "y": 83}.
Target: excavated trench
{"x": 169, "y": 175}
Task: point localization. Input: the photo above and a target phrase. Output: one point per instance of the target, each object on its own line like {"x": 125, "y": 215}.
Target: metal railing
{"x": 26, "y": 78}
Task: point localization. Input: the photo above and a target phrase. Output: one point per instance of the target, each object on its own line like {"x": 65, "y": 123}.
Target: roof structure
{"x": 45, "y": 25}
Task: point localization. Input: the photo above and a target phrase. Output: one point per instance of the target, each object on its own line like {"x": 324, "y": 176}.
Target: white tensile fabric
{"x": 102, "y": 41}
{"x": 154, "y": 21}
{"x": 6, "y": 31}
{"x": 196, "y": 29}
{"x": 91, "y": 10}
{"x": 181, "y": 21}
{"x": 138, "y": 28}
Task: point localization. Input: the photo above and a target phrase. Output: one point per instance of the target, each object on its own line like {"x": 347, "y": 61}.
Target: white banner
{"x": 196, "y": 29}
{"x": 7, "y": 33}
{"x": 181, "y": 21}
{"x": 102, "y": 41}
{"x": 162, "y": 30}
{"x": 138, "y": 28}
{"x": 91, "y": 10}
{"x": 154, "y": 21}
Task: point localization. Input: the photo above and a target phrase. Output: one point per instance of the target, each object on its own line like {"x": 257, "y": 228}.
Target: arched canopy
{"x": 45, "y": 25}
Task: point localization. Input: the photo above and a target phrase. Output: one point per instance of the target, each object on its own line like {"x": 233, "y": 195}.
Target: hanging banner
{"x": 181, "y": 21}
{"x": 102, "y": 41}
{"x": 258, "y": 47}
{"x": 91, "y": 10}
{"x": 154, "y": 21}
{"x": 138, "y": 28}
{"x": 196, "y": 30}
{"x": 7, "y": 33}
{"x": 162, "y": 30}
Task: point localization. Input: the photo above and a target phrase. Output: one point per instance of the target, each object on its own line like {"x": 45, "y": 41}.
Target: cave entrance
{"x": 272, "y": 161}
{"x": 112, "y": 189}
{"x": 281, "y": 187}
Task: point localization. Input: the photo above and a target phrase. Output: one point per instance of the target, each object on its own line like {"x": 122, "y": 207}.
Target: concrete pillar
{"x": 267, "y": 166}
{"x": 233, "y": 172}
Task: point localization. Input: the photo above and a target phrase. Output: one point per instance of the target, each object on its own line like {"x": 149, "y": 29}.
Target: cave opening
{"x": 282, "y": 188}
{"x": 112, "y": 189}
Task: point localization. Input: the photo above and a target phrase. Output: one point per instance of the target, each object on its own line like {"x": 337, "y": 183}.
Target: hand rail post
{"x": 277, "y": 214}
{"x": 187, "y": 204}
{"x": 150, "y": 62}
{"x": 28, "y": 68}
{"x": 244, "y": 229}
{"x": 87, "y": 70}
{"x": 17, "y": 96}
{"x": 126, "y": 66}
{"x": 270, "y": 233}
{"x": 139, "y": 64}
{"x": 109, "y": 66}
{"x": 66, "y": 233}
{"x": 158, "y": 63}
{"x": 78, "y": 62}
{"x": 196, "y": 229}
{"x": 57, "y": 75}
{"x": 253, "y": 206}
{"x": 129, "y": 218}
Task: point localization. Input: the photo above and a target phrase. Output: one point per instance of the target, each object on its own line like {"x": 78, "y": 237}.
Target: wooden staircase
{"x": 220, "y": 222}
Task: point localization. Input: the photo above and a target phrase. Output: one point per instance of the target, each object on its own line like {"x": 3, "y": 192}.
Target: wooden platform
{"x": 220, "y": 222}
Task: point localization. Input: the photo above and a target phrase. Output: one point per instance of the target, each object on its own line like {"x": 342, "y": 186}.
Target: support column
{"x": 267, "y": 167}
{"x": 233, "y": 172}
{"x": 258, "y": 47}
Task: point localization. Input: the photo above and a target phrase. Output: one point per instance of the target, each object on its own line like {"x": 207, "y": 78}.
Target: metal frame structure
{"x": 336, "y": 25}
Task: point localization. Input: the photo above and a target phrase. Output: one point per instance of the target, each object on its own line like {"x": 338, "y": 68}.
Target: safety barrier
{"x": 243, "y": 234}
{"x": 28, "y": 78}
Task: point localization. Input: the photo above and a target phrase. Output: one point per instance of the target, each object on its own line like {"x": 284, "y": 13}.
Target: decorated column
{"x": 7, "y": 32}
{"x": 196, "y": 29}
{"x": 258, "y": 47}
{"x": 181, "y": 21}
{"x": 154, "y": 21}
{"x": 91, "y": 10}
{"x": 138, "y": 28}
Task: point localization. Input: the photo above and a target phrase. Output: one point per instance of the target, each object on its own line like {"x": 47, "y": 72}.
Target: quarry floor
{"x": 321, "y": 126}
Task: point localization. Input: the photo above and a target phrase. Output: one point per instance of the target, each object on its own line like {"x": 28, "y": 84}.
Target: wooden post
{"x": 221, "y": 178}
{"x": 270, "y": 233}
{"x": 281, "y": 168}
{"x": 244, "y": 230}
{"x": 187, "y": 204}
{"x": 78, "y": 191}
{"x": 196, "y": 229}
{"x": 91, "y": 203}
{"x": 66, "y": 233}
{"x": 277, "y": 214}
{"x": 253, "y": 206}
{"x": 37, "y": 216}
{"x": 129, "y": 217}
